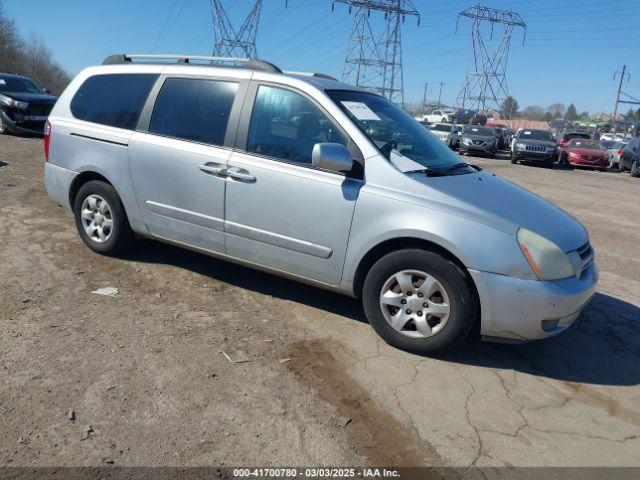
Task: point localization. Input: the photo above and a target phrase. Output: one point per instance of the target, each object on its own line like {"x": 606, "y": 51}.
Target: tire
{"x": 635, "y": 169}
{"x": 89, "y": 210}
{"x": 492, "y": 154}
{"x": 621, "y": 168}
{"x": 444, "y": 330}
{"x": 3, "y": 130}
{"x": 514, "y": 160}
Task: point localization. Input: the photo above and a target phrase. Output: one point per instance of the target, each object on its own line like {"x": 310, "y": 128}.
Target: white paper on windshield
{"x": 361, "y": 111}
{"x": 527, "y": 133}
{"x": 2, "y": 82}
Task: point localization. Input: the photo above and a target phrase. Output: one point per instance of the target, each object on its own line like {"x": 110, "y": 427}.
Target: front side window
{"x": 193, "y": 109}
{"x": 113, "y": 99}
{"x": 391, "y": 128}
{"x": 286, "y": 125}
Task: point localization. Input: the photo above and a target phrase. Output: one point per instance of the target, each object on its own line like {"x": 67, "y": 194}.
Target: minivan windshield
{"x": 18, "y": 85}
{"x": 391, "y": 128}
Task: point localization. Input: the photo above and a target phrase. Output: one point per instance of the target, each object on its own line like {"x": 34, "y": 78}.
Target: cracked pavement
{"x": 145, "y": 368}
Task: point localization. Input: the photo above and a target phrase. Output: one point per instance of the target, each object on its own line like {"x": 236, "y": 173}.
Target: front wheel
{"x": 101, "y": 219}
{"x": 418, "y": 301}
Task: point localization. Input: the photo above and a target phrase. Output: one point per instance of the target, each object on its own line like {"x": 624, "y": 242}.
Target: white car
{"x": 442, "y": 131}
{"x": 440, "y": 116}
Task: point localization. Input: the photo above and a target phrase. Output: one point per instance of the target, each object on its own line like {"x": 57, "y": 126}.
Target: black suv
{"x": 630, "y": 158}
{"x": 24, "y": 106}
{"x": 534, "y": 146}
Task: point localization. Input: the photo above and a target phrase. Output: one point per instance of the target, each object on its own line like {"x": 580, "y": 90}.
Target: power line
{"x": 374, "y": 58}
{"x": 164, "y": 26}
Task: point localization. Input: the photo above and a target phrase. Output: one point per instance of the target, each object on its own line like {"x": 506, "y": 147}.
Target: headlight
{"x": 573, "y": 154}
{"x": 21, "y": 105}
{"x": 546, "y": 259}
{"x": 521, "y": 146}
{"x": 10, "y": 102}
{"x": 466, "y": 141}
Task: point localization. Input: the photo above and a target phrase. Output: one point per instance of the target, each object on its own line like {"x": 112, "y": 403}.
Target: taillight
{"x": 47, "y": 139}
{"x": 619, "y": 152}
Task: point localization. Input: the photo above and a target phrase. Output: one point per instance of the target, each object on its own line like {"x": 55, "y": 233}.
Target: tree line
{"x": 29, "y": 57}
{"x": 511, "y": 109}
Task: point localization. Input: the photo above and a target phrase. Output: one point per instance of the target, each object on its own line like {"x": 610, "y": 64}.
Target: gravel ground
{"x": 142, "y": 378}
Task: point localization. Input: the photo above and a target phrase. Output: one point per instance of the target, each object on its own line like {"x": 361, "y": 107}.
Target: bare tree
{"x": 30, "y": 58}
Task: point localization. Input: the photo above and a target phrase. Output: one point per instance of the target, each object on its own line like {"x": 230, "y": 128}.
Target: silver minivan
{"x": 329, "y": 184}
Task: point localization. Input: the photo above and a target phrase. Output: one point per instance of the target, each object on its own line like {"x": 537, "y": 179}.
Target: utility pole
{"x": 228, "y": 42}
{"x": 485, "y": 87}
{"x": 615, "y": 107}
{"x": 374, "y": 57}
{"x": 440, "y": 94}
{"x": 424, "y": 97}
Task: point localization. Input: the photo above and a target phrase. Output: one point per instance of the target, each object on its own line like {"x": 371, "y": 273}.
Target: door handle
{"x": 215, "y": 168}
{"x": 240, "y": 174}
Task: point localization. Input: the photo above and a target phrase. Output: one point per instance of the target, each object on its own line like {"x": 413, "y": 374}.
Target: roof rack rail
{"x": 249, "y": 63}
{"x": 313, "y": 74}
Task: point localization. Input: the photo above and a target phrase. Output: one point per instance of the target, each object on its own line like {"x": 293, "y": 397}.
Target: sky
{"x": 571, "y": 50}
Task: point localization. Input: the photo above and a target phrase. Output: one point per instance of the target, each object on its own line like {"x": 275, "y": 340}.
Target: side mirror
{"x": 46, "y": 90}
{"x": 332, "y": 156}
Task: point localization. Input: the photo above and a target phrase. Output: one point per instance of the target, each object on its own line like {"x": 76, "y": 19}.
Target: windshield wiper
{"x": 462, "y": 164}
{"x": 430, "y": 171}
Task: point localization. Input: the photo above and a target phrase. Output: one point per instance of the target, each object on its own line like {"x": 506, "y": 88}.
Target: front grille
{"x": 39, "y": 109}
{"x": 478, "y": 142}
{"x": 591, "y": 158}
{"x": 534, "y": 148}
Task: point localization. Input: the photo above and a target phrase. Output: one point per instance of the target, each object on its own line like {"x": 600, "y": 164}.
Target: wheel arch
{"x": 80, "y": 180}
{"x": 402, "y": 243}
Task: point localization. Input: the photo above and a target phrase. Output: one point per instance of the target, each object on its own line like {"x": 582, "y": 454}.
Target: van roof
{"x": 319, "y": 80}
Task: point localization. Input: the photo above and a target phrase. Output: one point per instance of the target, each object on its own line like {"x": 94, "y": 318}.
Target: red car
{"x": 580, "y": 152}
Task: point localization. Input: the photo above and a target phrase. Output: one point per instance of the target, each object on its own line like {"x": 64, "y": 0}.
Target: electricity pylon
{"x": 228, "y": 42}
{"x": 374, "y": 56}
{"x": 485, "y": 87}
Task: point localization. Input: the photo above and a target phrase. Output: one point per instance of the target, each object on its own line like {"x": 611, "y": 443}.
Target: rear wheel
{"x": 101, "y": 219}
{"x": 2, "y": 129}
{"x": 635, "y": 169}
{"x": 418, "y": 301}
{"x": 514, "y": 160}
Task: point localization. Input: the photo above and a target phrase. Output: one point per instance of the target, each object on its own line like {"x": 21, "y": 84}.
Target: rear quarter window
{"x": 112, "y": 99}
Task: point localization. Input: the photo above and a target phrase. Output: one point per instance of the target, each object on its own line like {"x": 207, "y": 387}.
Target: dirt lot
{"x": 148, "y": 384}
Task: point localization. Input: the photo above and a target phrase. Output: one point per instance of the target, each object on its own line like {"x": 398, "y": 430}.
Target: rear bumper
{"x": 520, "y": 310}
{"x": 57, "y": 182}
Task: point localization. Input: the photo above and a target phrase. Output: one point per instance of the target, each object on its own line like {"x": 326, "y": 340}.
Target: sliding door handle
{"x": 240, "y": 174}
{"x": 215, "y": 168}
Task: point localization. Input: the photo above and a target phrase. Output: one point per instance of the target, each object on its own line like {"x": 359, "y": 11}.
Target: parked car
{"x": 534, "y": 146}
{"x": 442, "y": 131}
{"x": 630, "y": 158}
{"x": 463, "y": 116}
{"x": 580, "y": 152}
{"x": 478, "y": 139}
{"x": 455, "y": 136}
{"x": 24, "y": 106}
{"x": 614, "y": 151}
{"x": 567, "y": 136}
{"x": 286, "y": 173}
{"x": 440, "y": 116}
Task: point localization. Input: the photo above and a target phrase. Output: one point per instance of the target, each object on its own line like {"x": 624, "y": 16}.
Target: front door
{"x": 178, "y": 164}
{"x": 280, "y": 211}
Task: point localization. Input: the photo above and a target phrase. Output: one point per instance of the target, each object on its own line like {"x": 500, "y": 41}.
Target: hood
{"x": 490, "y": 199}
{"x": 477, "y": 137}
{"x": 542, "y": 143}
{"x": 31, "y": 97}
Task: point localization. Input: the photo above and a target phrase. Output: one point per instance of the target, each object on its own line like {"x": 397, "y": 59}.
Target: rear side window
{"x": 193, "y": 109}
{"x": 114, "y": 99}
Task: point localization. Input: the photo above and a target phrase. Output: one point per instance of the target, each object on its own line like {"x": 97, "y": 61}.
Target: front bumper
{"x": 599, "y": 164}
{"x": 535, "y": 157}
{"x": 477, "y": 148}
{"x": 25, "y": 127}
{"x": 516, "y": 309}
